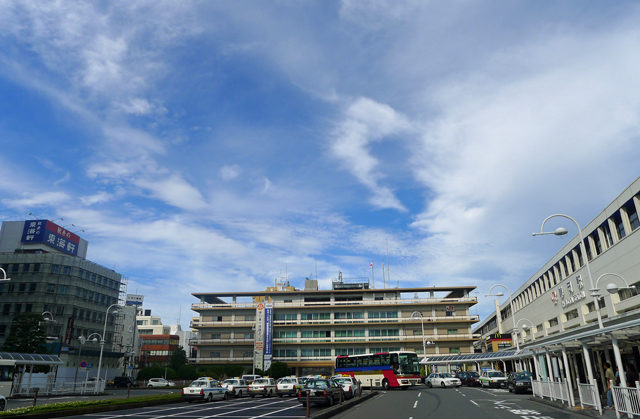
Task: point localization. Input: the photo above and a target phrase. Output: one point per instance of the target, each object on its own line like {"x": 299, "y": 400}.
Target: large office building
{"x": 307, "y": 328}
{"x": 50, "y": 274}
{"x": 555, "y": 307}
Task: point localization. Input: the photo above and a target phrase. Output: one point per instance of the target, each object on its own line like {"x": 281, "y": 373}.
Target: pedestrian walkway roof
{"x": 487, "y": 356}
{"x": 13, "y": 358}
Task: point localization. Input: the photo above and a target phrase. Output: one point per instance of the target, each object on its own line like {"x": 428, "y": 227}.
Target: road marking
{"x": 419, "y": 394}
{"x": 415, "y": 404}
{"x": 474, "y": 403}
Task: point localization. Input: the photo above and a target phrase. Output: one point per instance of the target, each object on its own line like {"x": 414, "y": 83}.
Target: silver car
{"x": 442, "y": 379}
{"x": 160, "y": 382}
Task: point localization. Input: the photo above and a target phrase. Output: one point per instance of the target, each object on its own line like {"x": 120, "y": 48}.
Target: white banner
{"x": 258, "y": 359}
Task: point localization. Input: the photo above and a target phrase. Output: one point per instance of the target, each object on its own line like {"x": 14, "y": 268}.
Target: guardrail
{"x": 626, "y": 399}
{"x": 589, "y": 395}
{"x": 554, "y": 390}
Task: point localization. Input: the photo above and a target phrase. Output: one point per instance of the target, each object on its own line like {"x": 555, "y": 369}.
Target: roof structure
{"x": 13, "y": 358}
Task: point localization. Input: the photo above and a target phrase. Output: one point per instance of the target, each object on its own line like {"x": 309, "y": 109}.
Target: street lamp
{"x": 104, "y": 331}
{"x": 525, "y": 327}
{"x": 562, "y": 232}
{"x": 513, "y": 313}
{"x": 424, "y": 340}
{"x": 4, "y": 274}
{"x": 611, "y": 288}
{"x": 82, "y": 341}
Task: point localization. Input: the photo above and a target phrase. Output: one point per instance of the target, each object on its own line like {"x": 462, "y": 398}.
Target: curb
{"x": 93, "y": 409}
{"x": 590, "y": 412}
{"x": 327, "y": 413}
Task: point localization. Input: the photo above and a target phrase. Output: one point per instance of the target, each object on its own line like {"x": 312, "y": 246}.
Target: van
{"x": 249, "y": 378}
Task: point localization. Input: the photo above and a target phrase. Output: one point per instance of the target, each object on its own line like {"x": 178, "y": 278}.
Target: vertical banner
{"x": 258, "y": 356}
{"x": 69, "y": 332}
{"x": 268, "y": 335}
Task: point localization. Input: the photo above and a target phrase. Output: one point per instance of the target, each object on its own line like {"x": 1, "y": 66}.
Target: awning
{"x": 13, "y": 358}
{"x": 487, "y": 356}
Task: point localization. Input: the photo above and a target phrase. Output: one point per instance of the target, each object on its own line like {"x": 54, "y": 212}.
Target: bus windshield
{"x": 409, "y": 363}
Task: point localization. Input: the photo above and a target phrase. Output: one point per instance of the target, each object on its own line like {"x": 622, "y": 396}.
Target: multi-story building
{"x": 308, "y": 328}
{"x": 157, "y": 349}
{"x": 151, "y": 325}
{"x": 555, "y": 308}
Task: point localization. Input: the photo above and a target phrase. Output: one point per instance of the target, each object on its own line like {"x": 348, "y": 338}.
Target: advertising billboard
{"x": 51, "y": 234}
{"x": 268, "y": 335}
{"x": 258, "y": 356}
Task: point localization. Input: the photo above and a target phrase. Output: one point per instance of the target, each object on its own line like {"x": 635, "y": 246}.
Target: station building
{"x": 308, "y": 328}
{"x": 555, "y": 309}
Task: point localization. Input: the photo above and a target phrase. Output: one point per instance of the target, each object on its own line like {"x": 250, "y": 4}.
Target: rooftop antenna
{"x": 316, "y": 269}
{"x": 384, "y": 282}
{"x": 388, "y": 273}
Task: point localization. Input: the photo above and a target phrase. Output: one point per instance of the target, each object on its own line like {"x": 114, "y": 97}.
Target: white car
{"x": 442, "y": 379}
{"x": 288, "y": 386}
{"x": 263, "y": 386}
{"x": 349, "y": 385}
{"x": 236, "y": 387}
{"x": 493, "y": 378}
{"x": 207, "y": 390}
{"x": 160, "y": 382}
{"x": 3, "y": 403}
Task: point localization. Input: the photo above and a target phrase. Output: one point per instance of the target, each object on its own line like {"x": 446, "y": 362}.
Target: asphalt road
{"x": 452, "y": 403}
{"x": 416, "y": 403}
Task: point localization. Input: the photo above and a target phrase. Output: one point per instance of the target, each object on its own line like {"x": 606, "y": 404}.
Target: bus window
{"x": 351, "y": 362}
{"x": 394, "y": 359}
{"x": 375, "y": 360}
{"x": 385, "y": 360}
{"x": 341, "y": 362}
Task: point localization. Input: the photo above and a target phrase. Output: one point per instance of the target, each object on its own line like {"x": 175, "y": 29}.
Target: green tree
{"x": 187, "y": 372}
{"x": 278, "y": 370}
{"x": 178, "y": 358}
{"x": 423, "y": 371}
{"x": 26, "y": 335}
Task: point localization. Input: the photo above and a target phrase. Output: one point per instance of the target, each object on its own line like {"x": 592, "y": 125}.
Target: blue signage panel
{"x": 51, "y": 234}
{"x": 268, "y": 331}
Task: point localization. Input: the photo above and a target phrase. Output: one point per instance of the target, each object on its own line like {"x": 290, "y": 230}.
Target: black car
{"x": 124, "y": 382}
{"x": 321, "y": 391}
{"x": 469, "y": 378}
{"x": 519, "y": 382}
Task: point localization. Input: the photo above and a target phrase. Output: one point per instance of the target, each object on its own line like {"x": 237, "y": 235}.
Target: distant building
{"x": 157, "y": 349}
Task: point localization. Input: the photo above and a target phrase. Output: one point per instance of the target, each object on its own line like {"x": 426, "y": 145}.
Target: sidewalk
{"x": 587, "y": 411}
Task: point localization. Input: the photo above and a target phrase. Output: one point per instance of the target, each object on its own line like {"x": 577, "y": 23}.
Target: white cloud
{"x": 175, "y": 191}
{"x": 37, "y": 199}
{"x": 99, "y": 198}
{"x": 366, "y": 121}
{"x": 230, "y": 172}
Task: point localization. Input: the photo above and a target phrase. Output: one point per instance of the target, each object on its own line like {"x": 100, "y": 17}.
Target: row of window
{"x": 34, "y": 287}
{"x": 622, "y": 223}
{"x": 323, "y": 316}
{"x": 157, "y": 353}
{"x": 62, "y": 270}
{"x": 160, "y": 341}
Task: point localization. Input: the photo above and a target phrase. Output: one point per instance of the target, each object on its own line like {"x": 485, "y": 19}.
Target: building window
{"x": 66, "y": 270}
{"x": 573, "y": 314}
{"x": 633, "y": 215}
{"x": 285, "y": 316}
{"x": 383, "y": 332}
{"x": 15, "y": 267}
{"x": 32, "y": 287}
{"x": 55, "y": 269}
{"x": 6, "y": 309}
{"x": 22, "y": 287}
{"x": 452, "y": 331}
{"x": 216, "y": 336}
{"x": 25, "y": 267}
{"x": 3, "y": 330}
{"x": 247, "y": 354}
{"x": 383, "y": 314}
{"x": 454, "y": 350}
{"x": 60, "y": 310}
{"x": 214, "y": 354}
{"x": 349, "y": 333}
{"x": 628, "y": 293}
{"x": 248, "y": 335}
{"x": 607, "y": 233}
{"x": 553, "y": 322}
{"x": 28, "y": 308}
{"x": 18, "y": 308}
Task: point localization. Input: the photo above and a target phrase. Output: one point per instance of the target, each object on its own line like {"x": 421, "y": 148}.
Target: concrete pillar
{"x": 565, "y": 359}
{"x": 550, "y": 371}
{"x": 616, "y": 354}
{"x": 587, "y": 362}
{"x": 600, "y": 368}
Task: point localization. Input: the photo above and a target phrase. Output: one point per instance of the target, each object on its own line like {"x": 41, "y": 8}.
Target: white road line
{"x": 474, "y": 403}
{"x": 267, "y": 414}
{"x": 419, "y": 394}
{"x": 415, "y": 404}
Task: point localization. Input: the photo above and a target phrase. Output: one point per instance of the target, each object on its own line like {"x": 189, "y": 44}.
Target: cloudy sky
{"x": 213, "y": 145}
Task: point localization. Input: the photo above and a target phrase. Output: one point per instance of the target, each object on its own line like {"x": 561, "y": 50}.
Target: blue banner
{"x": 268, "y": 332}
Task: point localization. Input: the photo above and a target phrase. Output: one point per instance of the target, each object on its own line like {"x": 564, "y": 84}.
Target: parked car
{"x": 442, "y": 379}
{"x": 349, "y": 385}
{"x": 321, "y": 391}
{"x": 264, "y": 386}
{"x": 469, "y": 378}
{"x": 3, "y": 403}
{"x": 288, "y": 386}
{"x": 206, "y": 390}
{"x": 124, "y": 382}
{"x": 236, "y": 387}
{"x": 493, "y": 378}
{"x": 250, "y": 378}
{"x": 519, "y": 382}
{"x": 160, "y": 382}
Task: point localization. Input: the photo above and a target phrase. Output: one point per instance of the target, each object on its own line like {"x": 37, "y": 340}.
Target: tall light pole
{"x": 533, "y": 336}
{"x": 104, "y": 331}
{"x": 424, "y": 340}
{"x": 4, "y": 275}
{"x": 513, "y": 313}
{"x": 562, "y": 232}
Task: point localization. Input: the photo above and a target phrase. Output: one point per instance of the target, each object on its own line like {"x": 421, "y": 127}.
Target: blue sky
{"x": 210, "y": 146}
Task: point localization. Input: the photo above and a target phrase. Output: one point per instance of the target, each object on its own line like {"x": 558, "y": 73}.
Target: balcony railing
{"x": 440, "y": 319}
{"x": 199, "y": 306}
{"x": 341, "y": 339}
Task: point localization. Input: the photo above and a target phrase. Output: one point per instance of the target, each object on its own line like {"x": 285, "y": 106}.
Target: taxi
{"x": 206, "y": 390}
{"x": 288, "y": 386}
{"x": 349, "y": 385}
{"x": 237, "y": 387}
{"x": 442, "y": 379}
{"x": 264, "y": 386}
{"x": 493, "y": 378}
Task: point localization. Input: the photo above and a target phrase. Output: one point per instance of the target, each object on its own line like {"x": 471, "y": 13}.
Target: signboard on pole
{"x": 268, "y": 335}
{"x": 69, "y": 332}
{"x": 258, "y": 358}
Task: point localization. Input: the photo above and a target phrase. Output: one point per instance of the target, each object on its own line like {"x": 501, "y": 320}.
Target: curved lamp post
{"x": 513, "y": 313}
{"x": 562, "y": 232}
{"x": 524, "y": 327}
{"x": 611, "y": 287}
{"x": 104, "y": 331}
{"x": 424, "y": 340}
{"x": 4, "y": 275}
